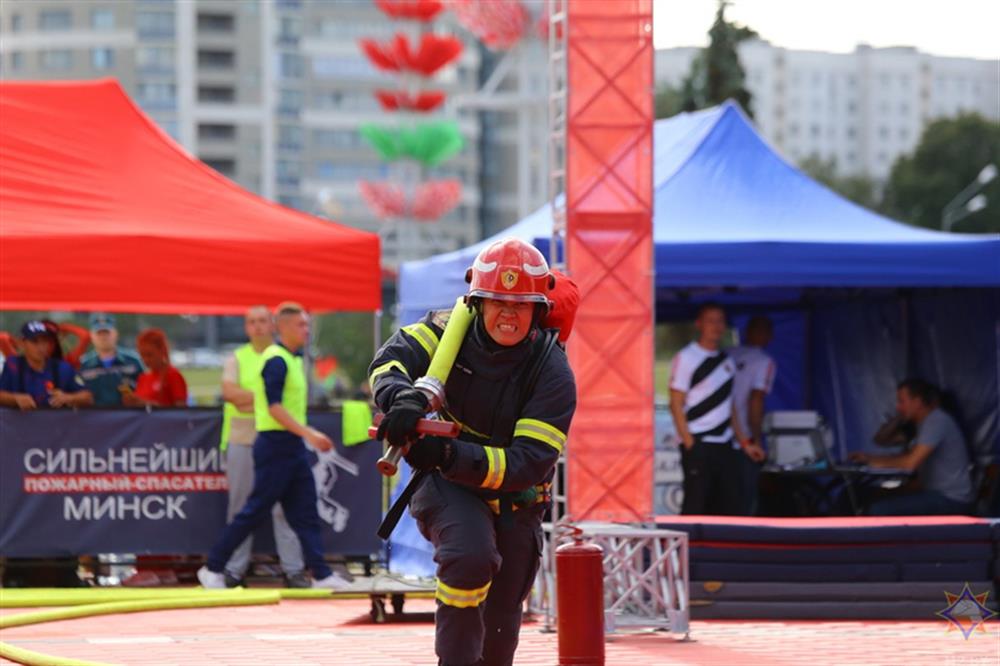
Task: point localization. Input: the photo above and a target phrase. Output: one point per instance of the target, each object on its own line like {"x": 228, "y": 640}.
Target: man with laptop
{"x": 938, "y": 455}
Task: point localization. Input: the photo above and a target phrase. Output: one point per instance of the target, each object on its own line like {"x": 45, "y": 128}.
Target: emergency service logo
{"x": 325, "y": 474}
{"x": 508, "y": 279}
{"x": 966, "y": 612}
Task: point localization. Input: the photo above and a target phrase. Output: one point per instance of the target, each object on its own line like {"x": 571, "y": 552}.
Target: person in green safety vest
{"x": 240, "y": 371}
{"x": 281, "y": 467}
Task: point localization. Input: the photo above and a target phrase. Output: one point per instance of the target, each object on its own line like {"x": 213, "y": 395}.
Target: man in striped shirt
{"x": 712, "y": 441}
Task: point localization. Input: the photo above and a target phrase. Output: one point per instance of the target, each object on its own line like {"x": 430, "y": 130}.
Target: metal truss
{"x": 646, "y": 584}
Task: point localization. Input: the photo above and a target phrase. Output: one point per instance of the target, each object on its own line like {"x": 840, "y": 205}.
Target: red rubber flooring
{"x": 339, "y": 632}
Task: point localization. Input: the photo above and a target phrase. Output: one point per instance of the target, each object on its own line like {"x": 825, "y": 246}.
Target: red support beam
{"x": 609, "y": 252}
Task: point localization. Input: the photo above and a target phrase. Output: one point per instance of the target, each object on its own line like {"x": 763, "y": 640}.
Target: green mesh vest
{"x": 293, "y": 398}
{"x": 250, "y": 364}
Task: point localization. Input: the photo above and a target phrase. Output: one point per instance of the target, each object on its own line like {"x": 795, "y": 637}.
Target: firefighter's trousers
{"x": 485, "y": 570}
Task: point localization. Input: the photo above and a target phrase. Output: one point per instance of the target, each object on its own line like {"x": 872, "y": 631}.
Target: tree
{"x": 860, "y": 189}
{"x": 950, "y": 156}
{"x": 348, "y": 336}
{"x": 668, "y": 102}
{"x": 716, "y": 73}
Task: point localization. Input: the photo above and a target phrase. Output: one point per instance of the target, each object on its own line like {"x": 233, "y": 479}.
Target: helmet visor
{"x": 514, "y": 298}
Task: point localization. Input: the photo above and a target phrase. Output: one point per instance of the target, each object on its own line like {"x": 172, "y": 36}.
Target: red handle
{"x": 388, "y": 464}
{"x": 431, "y": 427}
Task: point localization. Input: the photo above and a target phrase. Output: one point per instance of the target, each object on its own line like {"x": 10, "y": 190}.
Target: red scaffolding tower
{"x": 608, "y": 238}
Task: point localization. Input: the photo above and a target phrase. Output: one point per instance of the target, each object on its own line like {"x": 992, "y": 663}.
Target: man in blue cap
{"x": 35, "y": 379}
{"x": 107, "y": 370}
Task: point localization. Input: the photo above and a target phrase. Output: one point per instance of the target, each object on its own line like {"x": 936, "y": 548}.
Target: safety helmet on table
{"x": 510, "y": 270}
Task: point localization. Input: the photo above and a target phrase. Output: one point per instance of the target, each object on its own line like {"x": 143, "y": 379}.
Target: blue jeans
{"x": 751, "y": 484}
{"x": 281, "y": 474}
{"x": 924, "y": 503}
{"x": 239, "y": 473}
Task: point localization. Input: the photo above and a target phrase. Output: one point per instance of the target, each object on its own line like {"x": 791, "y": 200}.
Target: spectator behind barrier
{"x": 162, "y": 385}
{"x": 35, "y": 379}
{"x": 7, "y": 344}
{"x": 938, "y": 454}
{"x": 7, "y": 348}
{"x": 67, "y": 329}
{"x": 108, "y": 371}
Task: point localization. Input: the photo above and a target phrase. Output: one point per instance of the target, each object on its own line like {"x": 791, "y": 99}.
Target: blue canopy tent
{"x": 729, "y": 211}
{"x": 859, "y": 300}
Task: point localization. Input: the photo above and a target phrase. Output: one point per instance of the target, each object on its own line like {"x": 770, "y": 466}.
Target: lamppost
{"x": 967, "y": 201}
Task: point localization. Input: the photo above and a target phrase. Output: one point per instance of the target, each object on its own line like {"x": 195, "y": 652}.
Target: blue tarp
{"x": 729, "y": 211}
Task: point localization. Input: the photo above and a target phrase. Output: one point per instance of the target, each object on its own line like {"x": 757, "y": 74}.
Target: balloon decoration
{"x": 386, "y": 200}
{"x": 427, "y": 143}
{"x": 431, "y": 200}
{"x": 396, "y": 55}
{"x": 415, "y": 56}
{"x": 435, "y": 198}
{"x": 401, "y": 100}
{"x": 499, "y": 24}
{"x": 414, "y": 10}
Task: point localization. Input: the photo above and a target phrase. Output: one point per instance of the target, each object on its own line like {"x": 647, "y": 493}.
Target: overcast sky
{"x": 969, "y": 28}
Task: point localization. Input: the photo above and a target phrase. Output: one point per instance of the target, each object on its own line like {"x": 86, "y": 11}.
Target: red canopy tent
{"x": 102, "y": 210}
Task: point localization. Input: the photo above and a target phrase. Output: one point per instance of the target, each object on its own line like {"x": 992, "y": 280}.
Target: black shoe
{"x": 298, "y": 581}
{"x": 233, "y": 581}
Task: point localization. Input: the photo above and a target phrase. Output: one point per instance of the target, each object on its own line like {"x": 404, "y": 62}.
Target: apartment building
{"x": 861, "y": 109}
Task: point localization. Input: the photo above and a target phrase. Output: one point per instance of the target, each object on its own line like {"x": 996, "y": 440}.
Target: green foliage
{"x": 950, "y": 155}
{"x": 428, "y": 143}
{"x": 668, "y": 102}
{"x": 204, "y": 385}
{"x": 348, "y": 336}
{"x": 861, "y": 189}
{"x": 716, "y": 73}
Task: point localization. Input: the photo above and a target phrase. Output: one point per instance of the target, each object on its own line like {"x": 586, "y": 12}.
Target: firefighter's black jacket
{"x": 500, "y": 448}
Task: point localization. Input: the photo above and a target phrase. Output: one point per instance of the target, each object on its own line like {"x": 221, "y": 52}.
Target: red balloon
{"x": 415, "y": 10}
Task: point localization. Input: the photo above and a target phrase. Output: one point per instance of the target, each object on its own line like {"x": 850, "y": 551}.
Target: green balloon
{"x": 428, "y": 143}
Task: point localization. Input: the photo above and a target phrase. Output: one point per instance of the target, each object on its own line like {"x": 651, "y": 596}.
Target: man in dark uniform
{"x": 513, "y": 394}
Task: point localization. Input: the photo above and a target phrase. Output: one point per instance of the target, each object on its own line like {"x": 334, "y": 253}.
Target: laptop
{"x": 796, "y": 440}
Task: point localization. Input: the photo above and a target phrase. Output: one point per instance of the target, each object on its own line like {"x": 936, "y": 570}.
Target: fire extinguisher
{"x": 580, "y": 602}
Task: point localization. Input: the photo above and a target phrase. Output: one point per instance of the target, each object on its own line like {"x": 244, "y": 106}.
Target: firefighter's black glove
{"x": 429, "y": 452}
{"x": 399, "y": 427}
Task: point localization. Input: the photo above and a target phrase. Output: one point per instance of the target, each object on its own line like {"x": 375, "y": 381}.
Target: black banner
{"x": 132, "y": 481}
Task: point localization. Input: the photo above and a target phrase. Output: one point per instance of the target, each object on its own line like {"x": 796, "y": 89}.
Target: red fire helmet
{"x": 510, "y": 270}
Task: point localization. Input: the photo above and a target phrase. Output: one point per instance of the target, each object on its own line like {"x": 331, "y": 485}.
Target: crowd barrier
{"x": 137, "y": 481}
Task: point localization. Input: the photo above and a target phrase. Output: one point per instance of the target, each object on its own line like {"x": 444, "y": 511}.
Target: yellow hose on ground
{"x": 32, "y": 658}
{"x": 199, "y": 599}
{"x": 54, "y": 596}
{"x": 168, "y": 599}
{"x": 40, "y": 597}
{"x": 88, "y": 602}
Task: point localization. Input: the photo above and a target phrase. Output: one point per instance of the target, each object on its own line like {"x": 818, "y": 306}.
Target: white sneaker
{"x": 332, "y": 582}
{"x": 211, "y": 580}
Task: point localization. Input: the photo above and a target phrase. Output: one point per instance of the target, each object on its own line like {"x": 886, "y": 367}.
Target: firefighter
{"x": 512, "y": 392}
